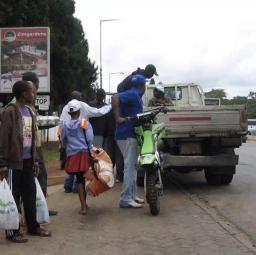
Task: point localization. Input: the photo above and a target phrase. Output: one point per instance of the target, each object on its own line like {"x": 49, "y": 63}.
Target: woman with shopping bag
{"x": 77, "y": 149}
{"x": 18, "y": 152}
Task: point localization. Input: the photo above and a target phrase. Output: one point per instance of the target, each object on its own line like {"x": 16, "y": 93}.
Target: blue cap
{"x": 138, "y": 79}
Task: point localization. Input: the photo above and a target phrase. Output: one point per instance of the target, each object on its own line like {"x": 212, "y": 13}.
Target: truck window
{"x": 170, "y": 92}
{"x": 212, "y": 101}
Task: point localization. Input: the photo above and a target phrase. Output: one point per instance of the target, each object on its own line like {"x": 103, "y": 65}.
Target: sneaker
{"x": 132, "y": 204}
{"x": 139, "y": 200}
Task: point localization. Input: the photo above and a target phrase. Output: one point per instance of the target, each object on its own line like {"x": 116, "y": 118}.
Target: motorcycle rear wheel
{"x": 152, "y": 193}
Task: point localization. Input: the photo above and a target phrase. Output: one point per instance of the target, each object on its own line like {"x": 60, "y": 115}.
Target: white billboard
{"x": 23, "y": 50}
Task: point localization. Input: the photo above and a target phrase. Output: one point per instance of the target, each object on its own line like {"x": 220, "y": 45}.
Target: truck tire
{"x": 152, "y": 195}
{"x": 224, "y": 177}
{"x": 221, "y": 175}
{"x": 227, "y": 176}
{"x": 212, "y": 179}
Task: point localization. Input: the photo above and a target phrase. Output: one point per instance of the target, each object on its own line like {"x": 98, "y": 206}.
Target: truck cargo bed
{"x": 203, "y": 121}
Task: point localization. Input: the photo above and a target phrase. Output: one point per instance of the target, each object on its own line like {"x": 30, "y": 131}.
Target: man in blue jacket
{"x": 125, "y": 104}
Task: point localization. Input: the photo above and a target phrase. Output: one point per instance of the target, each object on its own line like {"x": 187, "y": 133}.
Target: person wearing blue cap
{"x": 126, "y": 104}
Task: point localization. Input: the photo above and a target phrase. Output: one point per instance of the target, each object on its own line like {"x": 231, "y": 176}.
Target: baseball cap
{"x": 151, "y": 69}
{"x": 74, "y": 106}
{"x": 138, "y": 79}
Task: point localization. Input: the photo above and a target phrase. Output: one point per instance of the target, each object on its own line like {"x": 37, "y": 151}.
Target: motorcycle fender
{"x": 147, "y": 159}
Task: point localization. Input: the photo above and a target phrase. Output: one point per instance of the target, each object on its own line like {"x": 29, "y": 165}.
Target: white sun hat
{"x": 74, "y": 106}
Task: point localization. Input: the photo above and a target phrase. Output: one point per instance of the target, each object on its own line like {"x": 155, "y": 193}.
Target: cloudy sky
{"x": 209, "y": 42}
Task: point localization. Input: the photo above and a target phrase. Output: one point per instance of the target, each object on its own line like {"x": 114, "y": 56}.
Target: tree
{"x": 216, "y": 93}
{"x": 251, "y": 109}
{"x": 249, "y": 101}
{"x": 252, "y": 95}
{"x": 71, "y": 67}
{"x": 251, "y": 105}
{"x": 70, "y": 56}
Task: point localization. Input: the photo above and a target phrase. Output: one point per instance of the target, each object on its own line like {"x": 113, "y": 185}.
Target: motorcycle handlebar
{"x": 149, "y": 114}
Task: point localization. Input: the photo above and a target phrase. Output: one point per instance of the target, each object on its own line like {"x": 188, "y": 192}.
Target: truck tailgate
{"x": 205, "y": 121}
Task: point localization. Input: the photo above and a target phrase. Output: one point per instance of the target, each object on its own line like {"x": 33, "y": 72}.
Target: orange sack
{"x": 100, "y": 176}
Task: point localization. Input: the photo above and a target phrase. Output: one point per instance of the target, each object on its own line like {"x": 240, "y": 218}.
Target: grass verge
{"x": 51, "y": 151}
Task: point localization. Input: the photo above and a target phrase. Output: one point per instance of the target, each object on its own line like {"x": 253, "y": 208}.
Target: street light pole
{"x": 101, "y": 21}
{"x": 109, "y": 80}
{"x": 100, "y": 59}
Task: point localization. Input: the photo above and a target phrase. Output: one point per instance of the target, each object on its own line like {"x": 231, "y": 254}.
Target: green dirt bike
{"x": 149, "y": 134}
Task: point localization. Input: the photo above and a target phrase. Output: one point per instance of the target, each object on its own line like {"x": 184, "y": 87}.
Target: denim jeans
{"x": 130, "y": 151}
{"x": 70, "y": 183}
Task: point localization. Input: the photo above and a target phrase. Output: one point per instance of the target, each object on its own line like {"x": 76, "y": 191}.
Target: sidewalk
{"x": 181, "y": 228}
{"x": 251, "y": 137}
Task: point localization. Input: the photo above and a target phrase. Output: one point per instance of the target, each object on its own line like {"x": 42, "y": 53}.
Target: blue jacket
{"x": 73, "y": 138}
{"x": 130, "y": 105}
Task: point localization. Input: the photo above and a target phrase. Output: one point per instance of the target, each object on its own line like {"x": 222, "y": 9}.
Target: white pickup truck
{"x": 200, "y": 136}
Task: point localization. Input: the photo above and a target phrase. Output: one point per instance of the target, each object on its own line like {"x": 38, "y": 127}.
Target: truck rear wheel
{"x": 221, "y": 175}
{"x": 212, "y": 179}
{"x": 224, "y": 177}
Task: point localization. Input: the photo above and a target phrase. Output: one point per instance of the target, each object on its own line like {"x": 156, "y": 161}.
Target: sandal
{"x": 18, "y": 238}
{"x": 41, "y": 232}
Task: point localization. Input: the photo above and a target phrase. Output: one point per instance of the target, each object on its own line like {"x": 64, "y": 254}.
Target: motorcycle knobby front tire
{"x": 152, "y": 193}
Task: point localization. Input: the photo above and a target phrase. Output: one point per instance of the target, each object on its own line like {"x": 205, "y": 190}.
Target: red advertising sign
{"x": 23, "y": 50}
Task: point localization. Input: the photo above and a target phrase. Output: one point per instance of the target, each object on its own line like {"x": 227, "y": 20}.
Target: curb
{"x": 251, "y": 137}
{"x": 55, "y": 180}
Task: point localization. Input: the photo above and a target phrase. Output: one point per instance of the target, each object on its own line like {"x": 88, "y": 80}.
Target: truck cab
{"x": 181, "y": 94}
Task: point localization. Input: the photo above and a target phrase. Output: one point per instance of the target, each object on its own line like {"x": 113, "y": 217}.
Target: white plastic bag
{"x": 9, "y": 216}
{"x": 42, "y": 213}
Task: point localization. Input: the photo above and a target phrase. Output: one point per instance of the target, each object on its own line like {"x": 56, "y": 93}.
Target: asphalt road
{"x": 237, "y": 201}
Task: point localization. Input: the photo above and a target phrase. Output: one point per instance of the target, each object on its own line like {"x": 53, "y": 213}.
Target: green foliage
{"x": 50, "y": 151}
{"x": 70, "y": 66}
{"x": 249, "y": 101}
{"x": 252, "y": 95}
{"x": 216, "y": 93}
{"x": 236, "y": 100}
{"x": 251, "y": 108}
